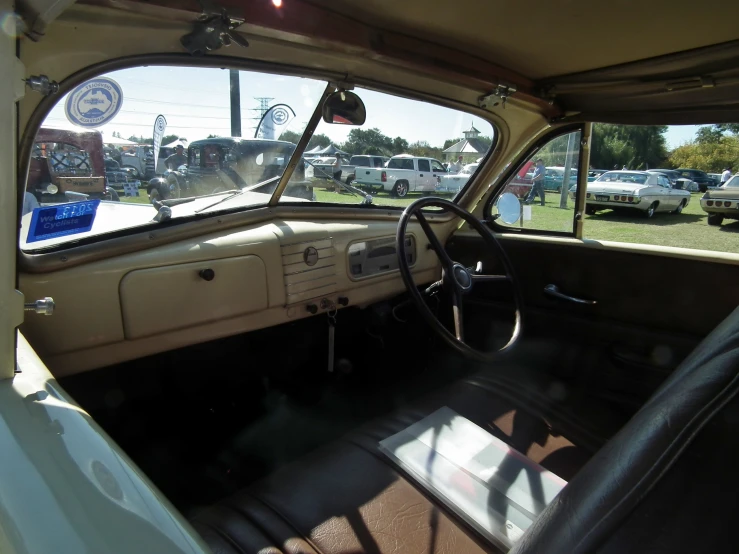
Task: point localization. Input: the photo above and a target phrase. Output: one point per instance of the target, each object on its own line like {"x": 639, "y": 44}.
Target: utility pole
{"x": 261, "y": 110}
{"x": 568, "y": 170}
{"x": 235, "y": 103}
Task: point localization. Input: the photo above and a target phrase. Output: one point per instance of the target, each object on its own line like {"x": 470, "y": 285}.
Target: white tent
{"x": 119, "y": 141}
{"x": 175, "y": 143}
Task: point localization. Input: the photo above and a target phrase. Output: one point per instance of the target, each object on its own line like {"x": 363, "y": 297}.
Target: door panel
{"x": 651, "y": 310}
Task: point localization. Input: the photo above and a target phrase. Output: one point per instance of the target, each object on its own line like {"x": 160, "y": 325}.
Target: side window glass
{"x": 436, "y": 166}
{"x": 545, "y": 185}
{"x": 423, "y": 165}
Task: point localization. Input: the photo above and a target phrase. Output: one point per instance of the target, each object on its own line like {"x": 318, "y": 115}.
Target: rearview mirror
{"x": 509, "y": 208}
{"x": 344, "y": 108}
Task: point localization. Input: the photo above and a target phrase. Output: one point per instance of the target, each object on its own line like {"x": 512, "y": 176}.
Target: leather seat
{"x": 664, "y": 483}
{"x": 348, "y": 497}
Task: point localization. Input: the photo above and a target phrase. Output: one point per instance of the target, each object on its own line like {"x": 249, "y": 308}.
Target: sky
{"x": 196, "y": 103}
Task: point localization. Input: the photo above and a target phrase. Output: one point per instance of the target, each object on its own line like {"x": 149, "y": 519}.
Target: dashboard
{"x": 195, "y": 290}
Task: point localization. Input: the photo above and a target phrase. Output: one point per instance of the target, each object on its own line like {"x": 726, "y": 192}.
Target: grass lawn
{"x": 686, "y": 230}
{"x": 142, "y": 199}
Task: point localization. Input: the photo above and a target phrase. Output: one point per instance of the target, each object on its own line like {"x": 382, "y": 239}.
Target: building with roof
{"x": 470, "y": 147}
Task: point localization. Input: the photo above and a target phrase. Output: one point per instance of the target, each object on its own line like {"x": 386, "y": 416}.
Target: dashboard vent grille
{"x": 304, "y": 281}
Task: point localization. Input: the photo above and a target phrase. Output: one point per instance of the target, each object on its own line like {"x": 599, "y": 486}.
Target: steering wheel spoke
{"x": 489, "y": 278}
{"x": 436, "y": 245}
{"x": 458, "y": 312}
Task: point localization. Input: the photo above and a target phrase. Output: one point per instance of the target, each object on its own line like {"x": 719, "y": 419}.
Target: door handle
{"x": 553, "y": 290}
{"x": 421, "y": 175}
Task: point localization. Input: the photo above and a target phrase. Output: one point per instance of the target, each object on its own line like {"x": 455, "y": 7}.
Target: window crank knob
{"x": 207, "y": 274}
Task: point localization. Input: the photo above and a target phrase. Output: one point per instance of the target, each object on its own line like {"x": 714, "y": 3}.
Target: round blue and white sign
{"x": 94, "y": 103}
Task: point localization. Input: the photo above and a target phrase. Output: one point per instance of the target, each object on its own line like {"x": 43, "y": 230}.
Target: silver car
{"x": 635, "y": 190}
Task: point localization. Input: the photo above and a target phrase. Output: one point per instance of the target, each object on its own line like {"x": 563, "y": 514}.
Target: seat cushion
{"x": 347, "y": 497}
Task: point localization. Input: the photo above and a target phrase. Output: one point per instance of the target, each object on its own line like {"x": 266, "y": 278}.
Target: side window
{"x": 539, "y": 183}
{"x": 423, "y": 165}
{"x": 436, "y": 166}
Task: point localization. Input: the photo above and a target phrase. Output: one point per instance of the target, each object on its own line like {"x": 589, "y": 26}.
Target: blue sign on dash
{"x": 61, "y": 220}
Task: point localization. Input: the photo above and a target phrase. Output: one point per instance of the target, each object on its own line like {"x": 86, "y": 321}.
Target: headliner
{"x": 542, "y": 39}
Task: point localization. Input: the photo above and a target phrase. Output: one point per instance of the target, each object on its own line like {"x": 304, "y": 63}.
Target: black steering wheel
{"x": 457, "y": 279}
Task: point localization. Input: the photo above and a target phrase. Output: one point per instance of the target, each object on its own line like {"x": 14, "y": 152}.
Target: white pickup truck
{"x": 403, "y": 174}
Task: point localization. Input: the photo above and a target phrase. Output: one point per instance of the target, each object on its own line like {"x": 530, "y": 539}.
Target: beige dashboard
{"x": 208, "y": 287}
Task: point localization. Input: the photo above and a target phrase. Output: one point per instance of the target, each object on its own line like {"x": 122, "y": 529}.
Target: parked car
{"x": 220, "y": 164}
{"x": 361, "y": 161}
{"x": 554, "y": 178}
{"x": 722, "y": 202}
{"x": 700, "y": 177}
{"x": 646, "y": 192}
{"x": 676, "y": 179}
{"x": 716, "y": 178}
{"x": 140, "y": 160}
{"x": 402, "y": 175}
{"x": 68, "y": 161}
{"x": 455, "y": 182}
{"x": 117, "y": 176}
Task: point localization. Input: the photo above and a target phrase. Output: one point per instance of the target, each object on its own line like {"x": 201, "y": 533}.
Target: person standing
{"x": 177, "y": 159}
{"x": 537, "y": 189}
{"x": 337, "y": 171}
{"x": 725, "y": 176}
{"x": 456, "y": 167}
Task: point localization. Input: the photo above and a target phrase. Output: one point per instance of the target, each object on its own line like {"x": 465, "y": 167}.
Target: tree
{"x": 166, "y": 139}
{"x": 732, "y": 128}
{"x": 635, "y": 146}
{"x": 316, "y": 140}
{"x": 709, "y": 135}
{"x": 712, "y": 157}
{"x": 424, "y": 149}
{"x": 369, "y": 141}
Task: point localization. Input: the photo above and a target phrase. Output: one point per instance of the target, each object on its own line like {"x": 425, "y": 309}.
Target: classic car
{"x": 722, "y": 202}
{"x": 455, "y": 183}
{"x": 67, "y": 161}
{"x": 641, "y": 191}
{"x": 237, "y": 370}
{"x": 676, "y": 179}
{"x": 554, "y": 178}
{"x": 699, "y": 177}
{"x": 229, "y": 164}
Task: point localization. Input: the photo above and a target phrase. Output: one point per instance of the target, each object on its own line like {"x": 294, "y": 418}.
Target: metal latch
{"x": 213, "y": 29}
{"x": 499, "y": 96}
{"x": 45, "y": 306}
{"x": 42, "y": 84}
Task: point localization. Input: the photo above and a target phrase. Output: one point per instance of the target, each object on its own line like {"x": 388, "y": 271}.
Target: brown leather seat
{"x": 348, "y": 497}
{"x": 664, "y": 483}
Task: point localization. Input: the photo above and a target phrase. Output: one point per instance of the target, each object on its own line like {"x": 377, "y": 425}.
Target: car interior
{"x": 249, "y": 361}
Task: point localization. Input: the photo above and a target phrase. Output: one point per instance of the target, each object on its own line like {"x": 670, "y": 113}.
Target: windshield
{"x": 142, "y": 146}
{"x": 421, "y": 143}
{"x": 732, "y": 183}
{"x": 203, "y": 157}
{"x": 623, "y": 177}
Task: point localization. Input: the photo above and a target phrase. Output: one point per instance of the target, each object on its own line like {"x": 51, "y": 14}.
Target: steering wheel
{"x": 457, "y": 279}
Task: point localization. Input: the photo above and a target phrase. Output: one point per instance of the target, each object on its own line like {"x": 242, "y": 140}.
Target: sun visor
{"x": 696, "y": 86}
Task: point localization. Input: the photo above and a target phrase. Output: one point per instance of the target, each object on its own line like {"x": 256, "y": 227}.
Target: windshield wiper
{"x": 237, "y": 193}
{"x": 366, "y": 198}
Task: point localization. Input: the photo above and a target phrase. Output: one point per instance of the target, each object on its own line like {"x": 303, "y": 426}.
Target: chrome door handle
{"x": 553, "y": 290}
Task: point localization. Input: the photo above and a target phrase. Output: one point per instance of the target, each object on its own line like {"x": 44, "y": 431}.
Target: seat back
{"x": 618, "y": 494}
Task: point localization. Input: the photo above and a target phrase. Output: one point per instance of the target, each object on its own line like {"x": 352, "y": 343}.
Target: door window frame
{"x": 584, "y": 151}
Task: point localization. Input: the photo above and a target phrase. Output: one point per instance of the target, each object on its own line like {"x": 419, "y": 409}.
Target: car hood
{"x": 117, "y": 216}
{"x": 611, "y": 188}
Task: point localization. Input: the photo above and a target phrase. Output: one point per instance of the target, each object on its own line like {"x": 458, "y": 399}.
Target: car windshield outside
{"x": 732, "y": 183}
{"x": 623, "y": 177}
{"x": 217, "y": 163}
